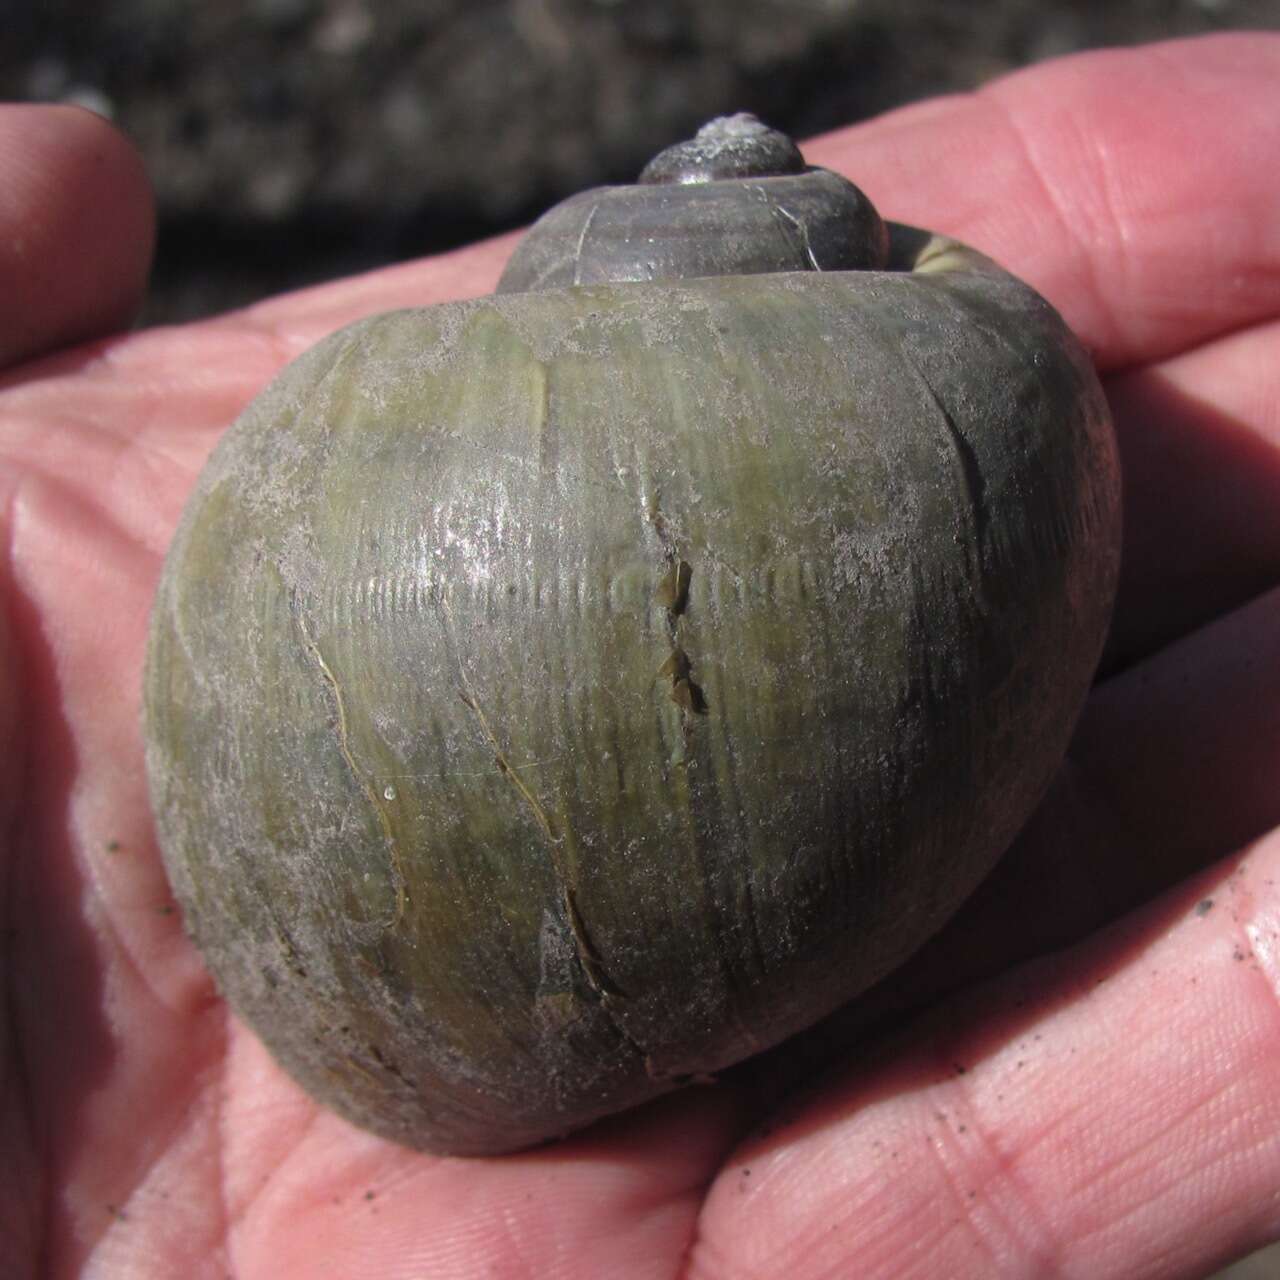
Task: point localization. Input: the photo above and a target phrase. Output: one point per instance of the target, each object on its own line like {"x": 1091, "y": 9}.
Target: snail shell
{"x": 555, "y": 696}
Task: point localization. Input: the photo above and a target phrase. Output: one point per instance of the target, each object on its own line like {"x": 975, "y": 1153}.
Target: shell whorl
{"x": 736, "y": 199}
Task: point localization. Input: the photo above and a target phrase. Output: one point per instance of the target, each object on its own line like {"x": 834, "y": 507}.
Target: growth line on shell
{"x": 365, "y": 782}
{"x": 785, "y": 215}
{"x": 588, "y": 957}
{"x": 508, "y": 771}
{"x": 470, "y": 700}
{"x": 582, "y": 239}
{"x": 971, "y": 480}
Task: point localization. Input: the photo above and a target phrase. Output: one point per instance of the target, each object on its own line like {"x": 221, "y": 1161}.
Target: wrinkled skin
{"x": 1087, "y": 1100}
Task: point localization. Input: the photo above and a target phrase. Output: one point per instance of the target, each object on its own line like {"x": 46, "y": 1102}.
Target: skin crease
{"x": 1108, "y": 1108}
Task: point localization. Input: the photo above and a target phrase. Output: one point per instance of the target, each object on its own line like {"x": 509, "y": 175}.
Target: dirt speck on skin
{"x": 1204, "y": 906}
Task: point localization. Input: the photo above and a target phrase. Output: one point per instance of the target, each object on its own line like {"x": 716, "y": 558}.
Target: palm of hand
{"x": 152, "y": 1135}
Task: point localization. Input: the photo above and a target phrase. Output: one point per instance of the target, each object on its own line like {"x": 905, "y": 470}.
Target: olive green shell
{"x": 555, "y": 696}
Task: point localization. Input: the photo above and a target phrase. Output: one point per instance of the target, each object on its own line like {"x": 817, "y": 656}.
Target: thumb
{"x": 76, "y": 229}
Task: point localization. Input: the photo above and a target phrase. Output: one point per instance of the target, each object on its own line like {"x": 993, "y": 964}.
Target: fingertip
{"x": 77, "y": 228}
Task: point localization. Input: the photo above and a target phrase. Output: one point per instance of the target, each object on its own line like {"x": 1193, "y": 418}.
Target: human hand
{"x": 1108, "y": 1110}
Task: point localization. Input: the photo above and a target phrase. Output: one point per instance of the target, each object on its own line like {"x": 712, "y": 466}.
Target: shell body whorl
{"x": 557, "y": 695}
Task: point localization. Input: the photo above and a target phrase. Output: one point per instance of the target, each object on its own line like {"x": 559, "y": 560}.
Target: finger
{"x": 1186, "y": 747}
{"x": 76, "y": 229}
{"x": 1200, "y": 448}
{"x": 1172, "y": 767}
{"x": 1111, "y": 1112}
{"x": 1135, "y": 188}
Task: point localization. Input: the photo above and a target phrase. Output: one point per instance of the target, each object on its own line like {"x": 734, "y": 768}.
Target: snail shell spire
{"x": 736, "y": 199}
{"x": 737, "y": 146}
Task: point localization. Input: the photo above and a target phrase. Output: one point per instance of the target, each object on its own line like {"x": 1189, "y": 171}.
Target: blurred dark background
{"x": 291, "y": 141}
